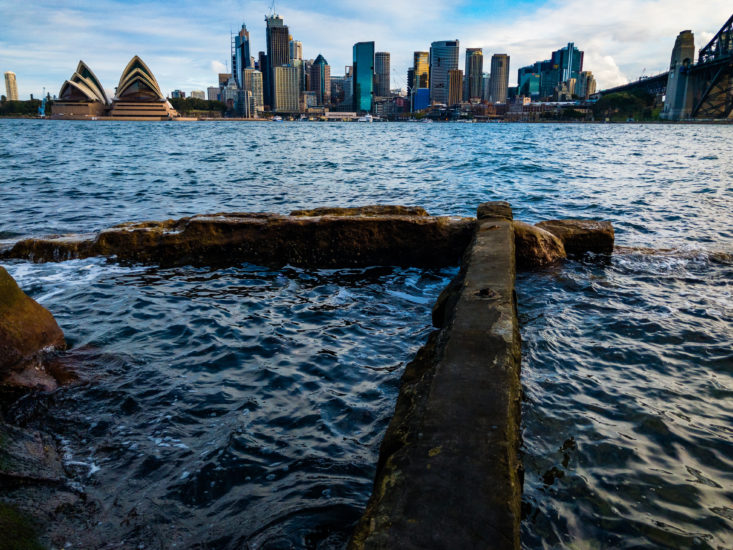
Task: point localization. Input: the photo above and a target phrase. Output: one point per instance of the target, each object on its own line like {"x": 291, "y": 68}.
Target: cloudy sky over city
{"x": 186, "y": 43}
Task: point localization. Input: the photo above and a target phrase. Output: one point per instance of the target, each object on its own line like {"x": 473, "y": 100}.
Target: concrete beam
{"x": 449, "y": 475}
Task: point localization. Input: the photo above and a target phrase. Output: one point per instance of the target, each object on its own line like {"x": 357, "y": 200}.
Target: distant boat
{"x": 366, "y": 118}
{"x": 277, "y": 118}
{"x": 427, "y": 120}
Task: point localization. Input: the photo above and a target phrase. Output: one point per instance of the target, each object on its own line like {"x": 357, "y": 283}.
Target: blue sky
{"x": 186, "y": 42}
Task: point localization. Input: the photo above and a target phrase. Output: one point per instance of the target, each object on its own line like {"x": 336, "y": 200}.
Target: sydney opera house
{"x": 137, "y": 97}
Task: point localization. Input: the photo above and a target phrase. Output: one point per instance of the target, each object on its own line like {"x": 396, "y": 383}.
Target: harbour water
{"x": 244, "y": 407}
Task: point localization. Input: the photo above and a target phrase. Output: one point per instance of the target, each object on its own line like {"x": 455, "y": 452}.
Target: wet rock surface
{"x": 449, "y": 474}
{"x": 371, "y": 210}
{"x": 580, "y": 236}
{"x": 536, "y": 248}
{"x": 27, "y": 330}
{"x": 323, "y": 241}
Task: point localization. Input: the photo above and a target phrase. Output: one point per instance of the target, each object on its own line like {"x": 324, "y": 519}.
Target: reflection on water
{"x": 245, "y": 406}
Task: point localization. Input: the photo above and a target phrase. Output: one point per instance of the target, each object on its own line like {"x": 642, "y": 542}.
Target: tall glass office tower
{"x": 278, "y": 52}
{"x": 363, "y": 77}
{"x": 443, "y": 58}
{"x": 474, "y": 72}
{"x": 241, "y": 57}
{"x": 381, "y": 69}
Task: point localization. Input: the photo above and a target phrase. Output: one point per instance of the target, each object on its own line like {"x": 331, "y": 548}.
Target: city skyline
{"x": 189, "y": 49}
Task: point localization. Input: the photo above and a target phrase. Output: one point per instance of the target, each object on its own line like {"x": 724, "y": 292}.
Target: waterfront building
{"x": 421, "y": 99}
{"x": 198, "y": 94}
{"x": 278, "y": 54}
{"x": 586, "y": 85}
{"x": 252, "y": 81}
{"x": 11, "y": 86}
{"x": 443, "y": 58}
{"x": 421, "y": 64}
{"x": 564, "y": 64}
{"x": 474, "y": 73}
{"x": 382, "y": 74}
{"x": 178, "y": 94}
{"x": 286, "y": 89}
{"x": 455, "y": 87}
{"x": 212, "y": 93}
{"x": 320, "y": 79}
{"x": 485, "y": 86}
{"x": 363, "y": 76}
{"x": 529, "y": 84}
{"x": 139, "y": 96}
{"x": 499, "y": 82}
{"x": 241, "y": 57}
{"x": 82, "y": 95}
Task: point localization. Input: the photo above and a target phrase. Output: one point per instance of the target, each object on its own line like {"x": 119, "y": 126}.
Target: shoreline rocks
{"x": 27, "y": 331}
{"x": 536, "y": 248}
{"x": 580, "y": 236}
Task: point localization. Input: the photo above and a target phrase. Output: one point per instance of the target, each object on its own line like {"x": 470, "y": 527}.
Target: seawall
{"x": 449, "y": 475}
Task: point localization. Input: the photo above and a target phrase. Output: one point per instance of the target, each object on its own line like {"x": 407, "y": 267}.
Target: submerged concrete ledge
{"x": 328, "y": 238}
{"x": 449, "y": 475}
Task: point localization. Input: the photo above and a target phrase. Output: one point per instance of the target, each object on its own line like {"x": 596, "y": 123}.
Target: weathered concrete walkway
{"x": 448, "y": 473}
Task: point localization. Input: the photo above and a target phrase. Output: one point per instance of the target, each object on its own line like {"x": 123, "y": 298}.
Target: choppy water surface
{"x": 246, "y": 406}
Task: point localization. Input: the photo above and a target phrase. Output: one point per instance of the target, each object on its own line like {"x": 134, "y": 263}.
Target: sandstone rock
{"x": 580, "y": 236}
{"x": 329, "y": 241}
{"x": 371, "y": 210}
{"x": 494, "y": 209}
{"x": 535, "y": 247}
{"x": 26, "y": 329}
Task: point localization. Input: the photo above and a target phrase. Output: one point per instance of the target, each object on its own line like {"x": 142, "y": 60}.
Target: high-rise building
{"x": 363, "y": 75}
{"x": 455, "y": 86}
{"x": 485, "y": 86}
{"x": 296, "y": 49}
{"x": 586, "y": 85}
{"x": 382, "y": 74}
{"x": 198, "y": 94}
{"x": 241, "y": 58}
{"x": 278, "y": 52}
{"x": 11, "y": 86}
{"x": 499, "y": 78}
{"x": 564, "y": 64}
{"x": 212, "y": 93}
{"x": 252, "y": 81}
{"x": 443, "y": 58}
{"x": 474, "y": 72}
{"x": 286, "y": 89}
{"x": 321, "y": 80}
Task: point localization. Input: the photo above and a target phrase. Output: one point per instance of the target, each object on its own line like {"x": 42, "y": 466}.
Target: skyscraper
{"x": 499, "y": 78}
{"x": 11, "y": 86}
{"x": 382, "y": 74}
{"x": 252, "y": 81}
{"x": 421, "y": 64}
{"x": 241, "y": 58}
{"x": 565, "y": 64}
{"x": 321, "y": 80}
{"x": 363, "y": 72}
{"x": 296, "y": 49}
{"x": 443, "y": 58}
{"x": 455, "y": 86}
{"x": 474, "y": 72}
{"x": 278, "y": 51}
{"x": 286, "y": 89}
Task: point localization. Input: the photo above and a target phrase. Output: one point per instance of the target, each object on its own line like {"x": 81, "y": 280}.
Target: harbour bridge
{"x": 702, "y": 90}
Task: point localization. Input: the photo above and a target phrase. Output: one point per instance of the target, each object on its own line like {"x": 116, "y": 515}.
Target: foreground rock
{"x": 536, "y": 248}
{"x": 319, "y": 241}
{"x": 580, "y": 236}
{"x": 26, "y": 330}
{"x": 449, "y": 474}
{"x": 371, "y": 210}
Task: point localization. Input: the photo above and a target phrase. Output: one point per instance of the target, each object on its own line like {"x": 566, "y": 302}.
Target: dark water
{"x": 246, "y": 406}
